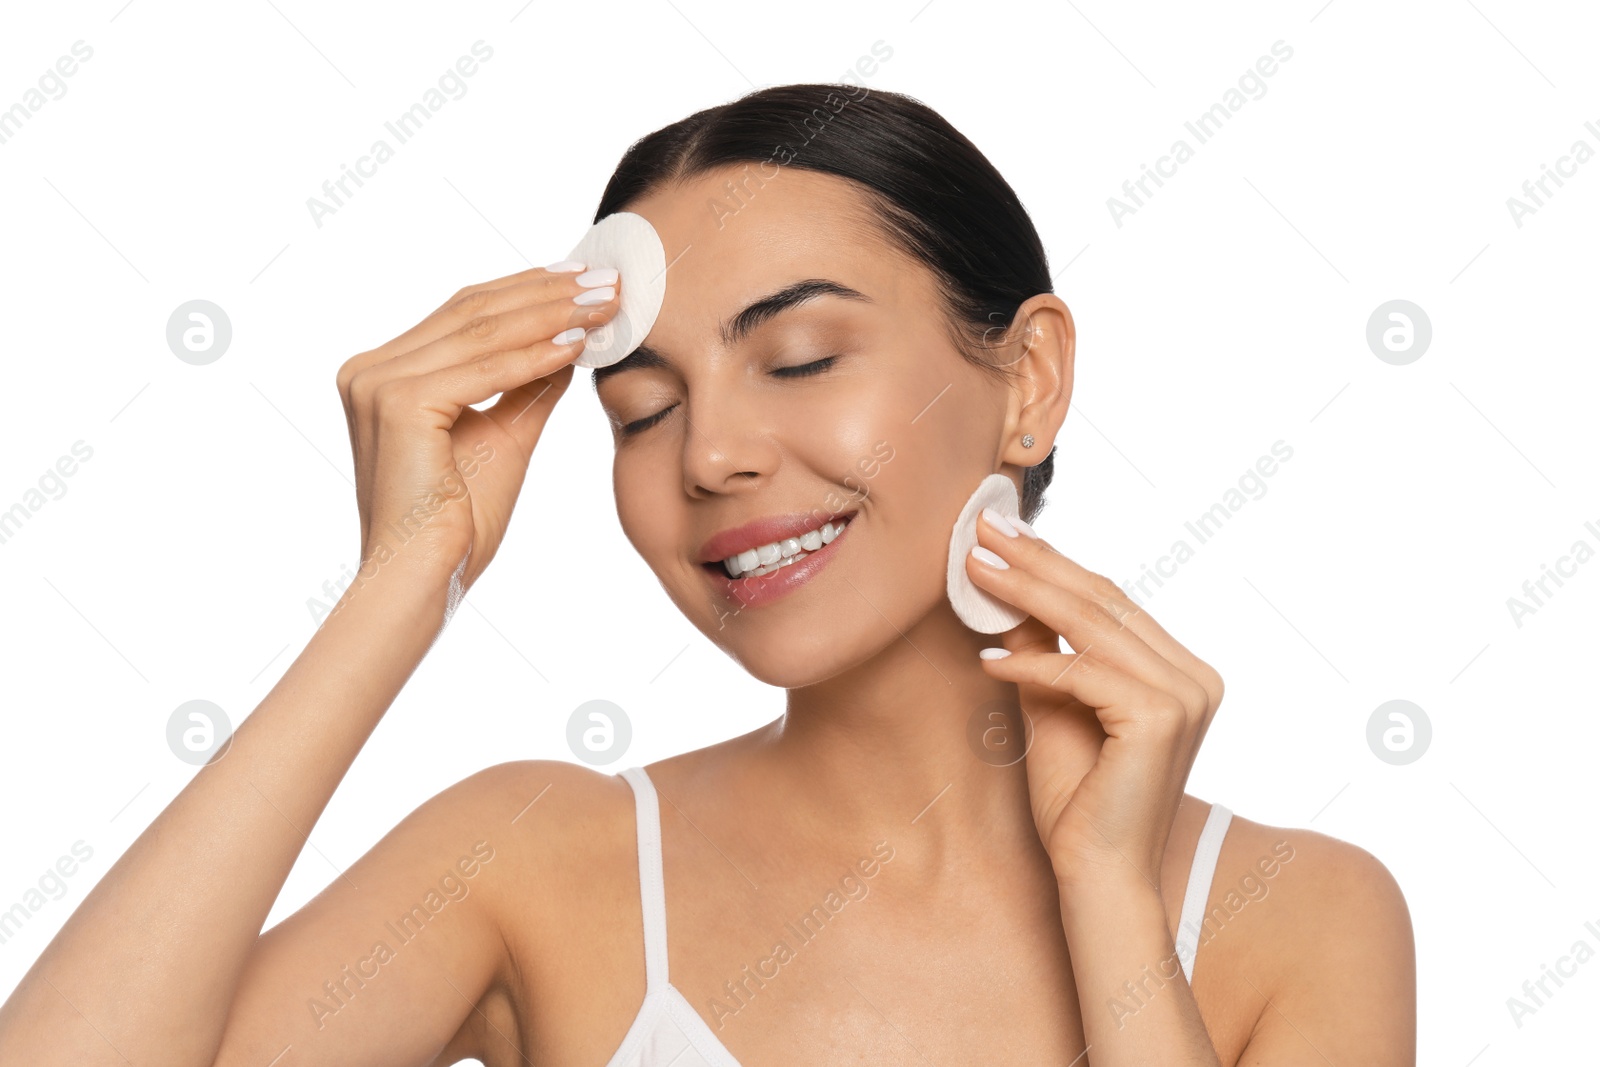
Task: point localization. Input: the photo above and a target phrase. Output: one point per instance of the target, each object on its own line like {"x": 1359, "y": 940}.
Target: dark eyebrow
{"x": 741, "y": 325}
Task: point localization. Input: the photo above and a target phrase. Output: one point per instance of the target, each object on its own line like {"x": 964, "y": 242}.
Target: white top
{"x": 668, "y": 1032}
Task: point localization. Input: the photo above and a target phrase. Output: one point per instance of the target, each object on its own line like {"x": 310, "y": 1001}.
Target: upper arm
{"x": 1341, "y": 987}
{"x": 386, "y": 964}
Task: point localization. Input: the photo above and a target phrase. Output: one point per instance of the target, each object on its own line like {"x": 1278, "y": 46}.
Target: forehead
{"x": 740, "y": 232}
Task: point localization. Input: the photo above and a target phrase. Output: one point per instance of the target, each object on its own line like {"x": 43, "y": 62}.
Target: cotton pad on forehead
{"x": 980, "y": 610}
{"x": 629, "y": 243}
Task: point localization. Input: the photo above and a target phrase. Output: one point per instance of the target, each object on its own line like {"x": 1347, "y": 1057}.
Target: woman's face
{"x": 831, "y": 407}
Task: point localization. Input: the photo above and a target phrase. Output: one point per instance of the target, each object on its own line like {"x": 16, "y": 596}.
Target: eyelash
{"x": 804, "y": 370}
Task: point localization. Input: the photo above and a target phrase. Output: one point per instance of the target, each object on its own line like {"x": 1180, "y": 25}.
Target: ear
{"x": 1039, "y": 358}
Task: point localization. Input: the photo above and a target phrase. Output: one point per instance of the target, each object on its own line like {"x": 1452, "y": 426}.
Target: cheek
{"x": 839, "y": 437}
{"x": 646, "y": 516}
{"x": 922, "y": 475}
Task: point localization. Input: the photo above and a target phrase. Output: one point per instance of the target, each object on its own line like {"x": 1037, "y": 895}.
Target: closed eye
{"x": 806, "y": 369}
{"x": 801, "y": 371}
{"x": 640, "y": 425}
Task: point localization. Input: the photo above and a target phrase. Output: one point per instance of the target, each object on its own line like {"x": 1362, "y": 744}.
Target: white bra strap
{"x": 652, "y": 885}
{"x": 1201, "y": 872}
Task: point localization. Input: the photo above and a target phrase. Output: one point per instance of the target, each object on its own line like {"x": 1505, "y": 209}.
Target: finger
{"x": 450, "y": 389}
{"x": 1120, "y": 701}
{"x": 466, "y": 304}
{"x": 511, "y": 281}
{"x": 472, "y": 302}
{"x": 1034, "y": 637}
{"x": 1038, "y": 556}
{"x": 1087, "y": 627}
{"x": 516, "y": 329}
{"x": 1031, "y": 635}
{"x": 517, "y": 326}
{"x": 522, "y": 412}
{"x": 492, "y": 319}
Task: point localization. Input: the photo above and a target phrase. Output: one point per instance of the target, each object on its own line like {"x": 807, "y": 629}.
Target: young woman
{"x": 950, "y": 848}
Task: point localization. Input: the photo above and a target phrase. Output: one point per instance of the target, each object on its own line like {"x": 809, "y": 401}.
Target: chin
{"x": 786, "y": 669}
{"x": 802, "y": 653}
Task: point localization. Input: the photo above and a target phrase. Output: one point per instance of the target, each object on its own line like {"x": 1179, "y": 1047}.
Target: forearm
{"x": 146, "y": 968}
{"x": 1137, "y": 1005}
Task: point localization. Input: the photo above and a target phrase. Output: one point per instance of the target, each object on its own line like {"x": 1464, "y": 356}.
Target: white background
{"x": 1227, "y": 313}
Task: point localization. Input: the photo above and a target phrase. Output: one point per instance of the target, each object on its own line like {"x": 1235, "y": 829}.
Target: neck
{"x": 892, "y": 740}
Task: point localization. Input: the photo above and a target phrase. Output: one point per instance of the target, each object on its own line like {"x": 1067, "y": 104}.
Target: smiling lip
{"x": 763, "y": 531}
{"x": 752, "y": 591}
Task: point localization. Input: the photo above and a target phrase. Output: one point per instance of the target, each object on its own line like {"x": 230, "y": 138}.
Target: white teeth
{"x": 767, "y": 558}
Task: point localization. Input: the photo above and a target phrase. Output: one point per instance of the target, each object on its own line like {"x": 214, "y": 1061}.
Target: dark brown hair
{"x": 933, "y": 194}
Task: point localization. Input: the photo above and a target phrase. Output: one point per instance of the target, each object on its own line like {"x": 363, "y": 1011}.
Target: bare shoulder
{"x": 1325, "y": 960}
{"x": 562, "y": 889}
{"x": 1325, "y": 892}
{"x": 547, "y": 818}
{"x": 536, "y": 786}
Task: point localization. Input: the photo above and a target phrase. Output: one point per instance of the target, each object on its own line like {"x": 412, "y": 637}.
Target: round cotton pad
{"x": 981, "y": 611}
{"x": 628, "y": 243}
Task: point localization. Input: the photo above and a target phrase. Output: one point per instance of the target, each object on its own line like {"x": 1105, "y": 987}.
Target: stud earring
{"x": 1027, "y": 440}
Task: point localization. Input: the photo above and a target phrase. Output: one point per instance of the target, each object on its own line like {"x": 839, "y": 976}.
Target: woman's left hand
{"x": 1116, "y": 723}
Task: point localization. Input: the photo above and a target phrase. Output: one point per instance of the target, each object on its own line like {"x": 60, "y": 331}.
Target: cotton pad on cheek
{"x": 980, "y": 610}
{"x": 628, "y": 243}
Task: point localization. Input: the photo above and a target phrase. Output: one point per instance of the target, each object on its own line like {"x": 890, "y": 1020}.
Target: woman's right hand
{"x": 435, "y": 479}
{"x": 180, "y": 915}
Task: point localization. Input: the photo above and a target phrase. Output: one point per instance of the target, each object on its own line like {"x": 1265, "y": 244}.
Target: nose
{"x": 727, "y": 447}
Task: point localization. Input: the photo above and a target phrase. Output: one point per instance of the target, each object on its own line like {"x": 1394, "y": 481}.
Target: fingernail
{"x": 983, "y": 555}
{"x": 993, "y": 653}
{"x": 998, "y": 521}
{"x": 564, "y": 265}
{"x": 595, "y": 296}
{"x": 1025, "y": 528}
{"x": 598, "y": 276}
{"x": 567, "y": 337}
